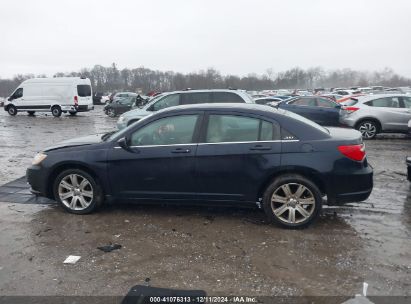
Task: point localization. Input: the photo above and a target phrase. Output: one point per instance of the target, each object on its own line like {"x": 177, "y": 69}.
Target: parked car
{"x": 266, "y": 100}
{"x": 239, "y": 154}
{"x": 119, "y": 106}
{"x": 381, "y": 113}
{"x": 321, "y": 110}
{"x": 56, "y": 95}
{"x": 182, "y": 98}
{"x": 117, "y": 95}
{"x": 97, "y": 98}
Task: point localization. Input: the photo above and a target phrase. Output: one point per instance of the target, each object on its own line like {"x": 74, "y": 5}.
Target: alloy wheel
{"x": 111, "y": 112}
{"x": 292, "y": 203}
{"x": 368, "y": 130}
{"x": 75, "y": 192}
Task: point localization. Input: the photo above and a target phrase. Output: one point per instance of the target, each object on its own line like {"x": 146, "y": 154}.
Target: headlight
{"x": 38, "y": 158}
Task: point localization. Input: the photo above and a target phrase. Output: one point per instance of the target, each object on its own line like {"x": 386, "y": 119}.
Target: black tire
{"x": 368, "y": 128}
{"x": 31, "y": 113}
{"x": 97, "y": 192}
{"x": 56, "y": 111}
{"x": 311, "y": 205}
{"x": 111, "y": 112}
{"x": 73, "y": 113}
{"x": 12, "y": 110}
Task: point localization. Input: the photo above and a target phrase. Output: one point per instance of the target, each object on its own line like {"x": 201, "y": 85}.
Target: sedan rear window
{"x": 83, "y": 90}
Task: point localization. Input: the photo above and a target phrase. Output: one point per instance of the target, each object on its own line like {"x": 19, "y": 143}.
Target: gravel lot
{"x": 222, "y": 251}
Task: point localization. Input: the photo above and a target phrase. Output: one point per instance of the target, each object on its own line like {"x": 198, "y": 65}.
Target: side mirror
{"x": 338, "y": 106}
{"x": 123, "y": 143}
{"x": 10, "y": 98}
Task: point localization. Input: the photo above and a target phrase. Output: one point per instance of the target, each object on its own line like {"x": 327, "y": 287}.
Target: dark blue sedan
{"x": 221, "y": 154}
{"x": 321, "y": 110}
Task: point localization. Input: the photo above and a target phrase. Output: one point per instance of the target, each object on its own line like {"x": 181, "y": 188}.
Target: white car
{"x": 177, "y": 98}
{"x": 55, "y": 95}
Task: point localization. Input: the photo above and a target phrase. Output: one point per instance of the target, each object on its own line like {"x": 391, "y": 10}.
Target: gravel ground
{"x": 222, "y": 251}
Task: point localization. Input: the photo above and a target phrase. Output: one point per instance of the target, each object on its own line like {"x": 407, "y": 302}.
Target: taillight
{"x": 354, "y": 152}
{"x": 76, "y": 100}
{"x": 351, "y": 109}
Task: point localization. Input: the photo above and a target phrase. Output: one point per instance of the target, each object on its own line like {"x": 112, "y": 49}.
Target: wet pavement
{"x": 222, "y": 251}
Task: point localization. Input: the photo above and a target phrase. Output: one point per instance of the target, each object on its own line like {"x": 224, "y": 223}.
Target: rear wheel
{"x": 56, "y": 111}
{"x": 292, "y": 201}
{"x": 368, "y": 128}
{"x": 77, "y": 191}
{"x": 31, "y": 113}
{"x": 12, "y": 110}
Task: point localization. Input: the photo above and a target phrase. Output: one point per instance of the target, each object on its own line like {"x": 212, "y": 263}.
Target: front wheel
{"x": 12, "y": 110}
{"x": 111, "y": 112}
{"x": 368, "y": 129}
{"x": 292, "y": 201}
{"x": 77, "y": 191}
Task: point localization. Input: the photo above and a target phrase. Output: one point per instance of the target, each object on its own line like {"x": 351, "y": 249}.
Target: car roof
{"x": 204, "y": 90}
{"x": 242, "y": 107}
{"x": 376, "y": 96}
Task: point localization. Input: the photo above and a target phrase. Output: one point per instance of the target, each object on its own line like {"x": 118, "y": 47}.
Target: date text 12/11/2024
{"x": 203, "y": 299}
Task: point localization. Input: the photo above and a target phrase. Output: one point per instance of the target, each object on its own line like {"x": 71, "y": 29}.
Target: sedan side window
{"x": 167, "y": 101}
{"x": 304, "y": 102}
{"x": 386, "y": 102}
{"x": 166, "y": 131}
{"x": 407, "y": 102}
{"x": 231, "y": 128}
{"x": 195, "y": 98}
{"x": 324, "y": 103}
{"x": 221, "y": 97}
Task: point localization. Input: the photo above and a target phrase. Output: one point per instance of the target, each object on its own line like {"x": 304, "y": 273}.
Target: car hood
{"x": 79, "y": 141}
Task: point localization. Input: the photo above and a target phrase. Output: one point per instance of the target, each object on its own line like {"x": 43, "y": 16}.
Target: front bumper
{"x": 350, "y": 187}
{"x": 37, "y": 179}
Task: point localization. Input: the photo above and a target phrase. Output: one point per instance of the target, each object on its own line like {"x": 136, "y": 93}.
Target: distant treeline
{"x": 109, "y": 79}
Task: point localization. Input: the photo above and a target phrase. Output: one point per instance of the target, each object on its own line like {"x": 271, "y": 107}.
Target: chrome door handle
{"x": 260, "y": 148}
{"x": 180, "y": 150}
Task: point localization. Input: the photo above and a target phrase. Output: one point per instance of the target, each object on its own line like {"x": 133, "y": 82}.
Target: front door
{"x": 160, "y": 162}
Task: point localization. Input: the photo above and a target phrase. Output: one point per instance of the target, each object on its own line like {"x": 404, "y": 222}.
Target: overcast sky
{"x": 233, "y": 36}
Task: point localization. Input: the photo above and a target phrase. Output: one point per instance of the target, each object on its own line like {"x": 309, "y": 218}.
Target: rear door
{"x": 391, "y": 112}
{"x": 233, "y": 154}
{"x": 84, "y": 95}
{"x": 306, "y": 107}
{"x": 328, "y": 112}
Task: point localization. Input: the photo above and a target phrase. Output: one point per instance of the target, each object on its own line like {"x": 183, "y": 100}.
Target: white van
{"x": 55, "y": 95}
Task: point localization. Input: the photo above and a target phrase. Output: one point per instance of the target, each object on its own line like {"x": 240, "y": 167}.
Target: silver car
{"x": 181, "y": 98}
{"x": 380, "y": 113}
